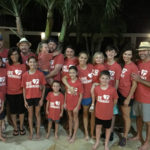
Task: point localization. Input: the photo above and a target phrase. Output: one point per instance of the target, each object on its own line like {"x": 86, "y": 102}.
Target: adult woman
{"x": 126, "y": 90}
{"x": 15, "y": 69}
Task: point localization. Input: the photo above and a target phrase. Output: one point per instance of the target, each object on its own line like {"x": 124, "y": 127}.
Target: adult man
{"x": 142, "y": 95}
{"x": 56, "y": 63}
{"x": 24, "y": 46}
{"x": 3, "y": 51}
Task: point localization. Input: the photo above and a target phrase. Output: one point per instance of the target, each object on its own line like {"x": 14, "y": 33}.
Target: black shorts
{"x": 2, "y": 115}
{"x": 33, "y": 101}
{"x": 121, "y": 100}
{"x": 104, "y": 123}
{"x": 16, "y": 103}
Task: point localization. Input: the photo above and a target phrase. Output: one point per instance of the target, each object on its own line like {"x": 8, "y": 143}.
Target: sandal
{"x": 15, "y": 132}
{"x": 22, "y": 132}
{"x": 122, "y": 142}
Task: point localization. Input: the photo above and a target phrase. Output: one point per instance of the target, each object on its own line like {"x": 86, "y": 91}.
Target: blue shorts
{"x": 115, "y": 110}
{"x": 51, "y": 120}
{"x": 86, "y": 101}
{"x": 44, "y": 72}
{"x": 2, "y": 115}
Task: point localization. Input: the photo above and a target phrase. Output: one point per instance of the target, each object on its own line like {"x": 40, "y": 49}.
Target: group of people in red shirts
{"x": 103, "y": 88}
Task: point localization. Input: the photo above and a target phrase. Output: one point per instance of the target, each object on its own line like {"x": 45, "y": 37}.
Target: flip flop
{"x": 22, "y": 132}
{"x": 15, "y": 133}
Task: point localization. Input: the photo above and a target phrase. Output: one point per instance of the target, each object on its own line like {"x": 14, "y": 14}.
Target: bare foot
{"x": 93, "y": 137}
{"x": 30, "y": 136}
{"x": 146, "y": 146}
{"x": 37, "y": 136}
{"x": 137, "y": 138}
{"x": 2, "y": 139}
{"x": 56, "y": 137}
{"x": 72, "y": 140}
{"x": 106, "y": 147}
{"x": 47, "y": 135}
{"x": 69, "y": 137}
{"x": 95, "y": 146}
{"x": 87, "y": 138}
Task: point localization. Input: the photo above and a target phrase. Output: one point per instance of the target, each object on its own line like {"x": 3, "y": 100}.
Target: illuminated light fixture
{"x": 42, "y": 35}
{"x": 58, "y": 34}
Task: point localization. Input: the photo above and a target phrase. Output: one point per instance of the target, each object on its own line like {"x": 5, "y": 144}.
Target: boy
{"x": 106, "y": 97}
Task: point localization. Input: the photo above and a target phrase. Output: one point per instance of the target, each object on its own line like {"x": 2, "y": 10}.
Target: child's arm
{"x": 24, "y": 97}
{"x": 116, "y": 84}
{"x": 62, "y": 109}
{"x": 2, "y": 107}
{"x": 65, "y": 101}
{"x": 132, "y": 90}
{"x": 93, "y": 102}
{"x": 47, "y": 107}
{"x": 42, "y": 97}
{"x": 65, "y": 82}
{"x": 76, "y": 109}
{"x": 115, "y": 101}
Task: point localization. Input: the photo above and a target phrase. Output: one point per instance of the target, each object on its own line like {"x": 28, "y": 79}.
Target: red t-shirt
{"x": 68, "y": 62}
{"x": 115, "y": 72}
{"x": 25, "y": 57}
{"x": 55, "y": 104}
{"x": 96, "y": 72}
{"x": 4, "y": 55}
{"x": 72, "y": 99}
{"x": 86, "y": 78}
{"x": 14, "y": 77}
{"x": 142, "y": 93}
{"x": 3, "y": 75}
{"x": 57, "y": 60}
{"x": 32, "y": 83}
{"x": 2, "y": 98}
{"x": 44, "y": 60}
{"x": 105, "y": 102}
{"x": 125, "y": 82}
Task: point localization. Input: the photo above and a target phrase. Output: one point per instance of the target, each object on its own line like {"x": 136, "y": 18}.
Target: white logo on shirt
{"x": 35, "y": 81}
{"x": 33, "y": 84}
{"x": 143, "y": 74}
{"x": 18, "y": 72}
{"x": 95, "y": 72}
{"x": 75, "y": 90}
{"x": 103, "y": 99}
{"x": 124, "y": 70}
{"x": 112, "y": 74}
{"x": 2, "y": 81}
{"x": 55, "y": 105}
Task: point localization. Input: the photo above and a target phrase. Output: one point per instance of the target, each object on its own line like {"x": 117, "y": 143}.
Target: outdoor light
{"x": 42, "y": 35}
{"x": 58, "y": 34}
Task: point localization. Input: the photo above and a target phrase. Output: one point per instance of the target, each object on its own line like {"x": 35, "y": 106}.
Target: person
{"x": 70, "y": 60}
{"x": 54, "y": 107}
{"x": 73, "y": 101}
{"x": 24, "y": 46}
{"x": 85, "y": 75}
{"x": 106, "y": 97}
{"x": 126, "y": 89}
{"x": 15, "y": 70}
{"x": 44, "y": 57}
{"x": 141, "y": 106}
{"x": 2, "y": 95}
{"x": 56, "y": 63}
{"x": 3, "y": 51}
{"x": 115, "y": 71}
{"x": 33, "y": 83}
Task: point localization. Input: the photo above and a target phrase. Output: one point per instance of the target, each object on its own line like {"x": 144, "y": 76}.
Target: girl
{"x": 54, "y": 107}
{"x": 126, "y": 90}
{"x": 44, "y": 57}
{"x": 73, "y": 101}
{"x": 85, "y": 76}
{"x": 15, "y": 70}
{"x": 2, "y": 95}
{"x": 70, "y": 60}
{"x": 33, "y": 83}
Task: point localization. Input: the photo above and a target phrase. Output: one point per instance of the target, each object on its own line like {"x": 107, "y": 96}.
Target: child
{"x": 33, "y": 83}
{"x": 2, "y": 95}
{"x": 73, "y": 102}
{"x": 44, "y": 57}
{"x": 115, "y": 71}
{"x": 54, "y": 107}
{"x": 106, "y": 97}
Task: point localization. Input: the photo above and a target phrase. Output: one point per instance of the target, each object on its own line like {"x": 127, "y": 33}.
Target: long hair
{"x": 94, "y": 56}
{"x": 11, "y": 50}
{"x": 40, "y": 45}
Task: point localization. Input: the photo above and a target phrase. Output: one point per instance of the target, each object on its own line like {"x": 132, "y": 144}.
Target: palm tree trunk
{"x": 49, "y": 24}
{"x": 63, "y": 31}
{"x": 19, "y": 27}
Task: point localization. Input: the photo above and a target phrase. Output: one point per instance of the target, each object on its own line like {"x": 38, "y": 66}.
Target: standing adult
{"x": 141, "y": 106}
{"x": 3, "y": 51}
{"x": 24, "y": 45}
{"x": 56, "y": 63}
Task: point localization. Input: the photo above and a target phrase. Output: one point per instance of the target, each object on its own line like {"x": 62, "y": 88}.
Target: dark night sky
{"x": 136, "y": 14}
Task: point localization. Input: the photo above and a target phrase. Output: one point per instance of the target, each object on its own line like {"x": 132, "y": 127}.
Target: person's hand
{"x": 75, "y": 109}
{"x": 136, "y": 77}
{"x": 26, "y": 104}
{"x": 61, "y": 114}
{"x": 47, "y": 112}
{"x": 1, "y": 110}
{"x": 91, "y": 108}
{"x": 72, "y": 90}
{"x": 64, "y": 105}
{"x": 55, "y": 53}
{"x": 40, "y": 102}
{"x": 126, "y": 102}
